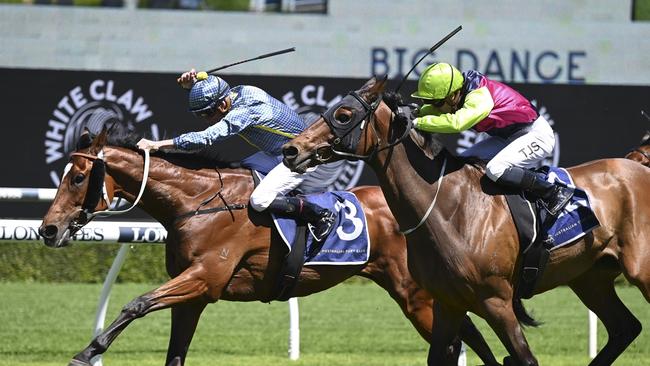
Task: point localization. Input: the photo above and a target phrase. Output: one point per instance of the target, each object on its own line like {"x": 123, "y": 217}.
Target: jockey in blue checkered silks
{"x": 262, "y": 121}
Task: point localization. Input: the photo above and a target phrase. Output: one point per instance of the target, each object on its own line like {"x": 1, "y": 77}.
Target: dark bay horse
{"x": 230, "y": 255}
{"x": 464, "y": 247}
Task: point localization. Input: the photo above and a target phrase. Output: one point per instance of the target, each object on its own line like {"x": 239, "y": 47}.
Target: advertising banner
{"x": 44, "y": 111}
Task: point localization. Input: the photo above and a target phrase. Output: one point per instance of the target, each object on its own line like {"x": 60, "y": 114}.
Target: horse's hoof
{"x": 175, "y": 362}
{"x": 507, "y": 361}
{"x": 76, "y": 362}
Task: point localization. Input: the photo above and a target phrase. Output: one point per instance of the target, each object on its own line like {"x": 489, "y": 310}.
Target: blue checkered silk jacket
{"x": 257, "y": 117}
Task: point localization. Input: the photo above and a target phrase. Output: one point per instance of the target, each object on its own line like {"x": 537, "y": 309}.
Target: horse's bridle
{"x": 97, "y": 190}
{"x": 348, "y": 133}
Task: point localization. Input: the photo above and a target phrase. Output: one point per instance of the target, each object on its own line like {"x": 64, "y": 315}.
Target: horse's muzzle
{"x": 52, "y": 236}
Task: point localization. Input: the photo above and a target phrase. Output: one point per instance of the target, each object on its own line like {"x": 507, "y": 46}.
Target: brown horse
{"x": 230, "y": 254}
{"x": 641, "y": 153}
{"x": 464, "y": 247}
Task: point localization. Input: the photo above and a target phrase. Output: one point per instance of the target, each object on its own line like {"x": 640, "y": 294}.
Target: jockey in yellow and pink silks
{"x": 519, "y": 137}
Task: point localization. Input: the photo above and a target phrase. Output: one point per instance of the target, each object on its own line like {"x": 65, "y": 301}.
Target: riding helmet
{"x": 438, "y": 81}
{"x": 207, "y": 91}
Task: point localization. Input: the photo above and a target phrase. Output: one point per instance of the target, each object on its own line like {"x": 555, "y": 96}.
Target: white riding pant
{"x": 279, "y": 181}
{"x": 524, "y": 148}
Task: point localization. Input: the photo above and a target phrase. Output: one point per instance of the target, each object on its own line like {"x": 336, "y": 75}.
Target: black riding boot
{"x": 320, "y": 220}
{"x": 552, "y": 196}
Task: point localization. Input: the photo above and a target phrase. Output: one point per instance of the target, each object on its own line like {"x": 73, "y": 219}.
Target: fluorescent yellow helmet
{"x": 438, "y": 81}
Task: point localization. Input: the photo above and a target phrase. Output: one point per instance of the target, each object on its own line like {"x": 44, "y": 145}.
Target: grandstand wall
{"x": 568, "y": 42}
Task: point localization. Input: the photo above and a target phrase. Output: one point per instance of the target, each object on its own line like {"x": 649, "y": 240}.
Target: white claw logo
{"x": 91, "y": 106}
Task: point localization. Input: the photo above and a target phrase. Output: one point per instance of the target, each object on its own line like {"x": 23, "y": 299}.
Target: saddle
{"x": 540, "y": 233}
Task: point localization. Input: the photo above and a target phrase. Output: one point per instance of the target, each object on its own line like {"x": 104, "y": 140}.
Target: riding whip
{"x": 205, "y": 76}
{"x": 644, "y": 114}
{"x": 433, "y": 48}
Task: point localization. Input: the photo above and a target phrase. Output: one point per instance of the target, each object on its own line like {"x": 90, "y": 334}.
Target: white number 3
{"x": 349, "y": 214}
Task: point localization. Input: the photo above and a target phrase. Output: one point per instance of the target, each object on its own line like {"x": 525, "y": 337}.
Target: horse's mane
{"x": 129, "y": 140}
{"x": 428, "y": 142}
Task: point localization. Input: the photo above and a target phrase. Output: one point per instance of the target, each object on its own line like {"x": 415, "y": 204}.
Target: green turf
{"x": 352, "y": 324}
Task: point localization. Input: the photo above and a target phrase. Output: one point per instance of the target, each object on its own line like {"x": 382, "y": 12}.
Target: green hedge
{"x": 641, "y": 10}
{"x": 82, "y": 263}
{"x": 85, "y": 263}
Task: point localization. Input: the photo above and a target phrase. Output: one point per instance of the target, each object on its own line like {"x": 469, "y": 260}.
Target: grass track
{"x": 353, "y": 324}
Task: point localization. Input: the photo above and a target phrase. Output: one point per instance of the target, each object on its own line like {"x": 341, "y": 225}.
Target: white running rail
{"x": 108, "y": 232}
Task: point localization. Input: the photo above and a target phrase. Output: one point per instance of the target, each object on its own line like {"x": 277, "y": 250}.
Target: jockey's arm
{"x": 477, "y": 106}
{"x": 233, "y": 123}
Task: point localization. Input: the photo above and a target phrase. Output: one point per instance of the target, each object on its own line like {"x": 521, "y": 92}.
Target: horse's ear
{"x": 85, "y": 140}
{"x": 99, "y": 141}
{"x": 373, "y": 87}
{"x": 372, "y": 81}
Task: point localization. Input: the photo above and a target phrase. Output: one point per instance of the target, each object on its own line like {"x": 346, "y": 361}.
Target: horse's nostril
{"x": 290, "y": 152}
{"x": 48, "y": 231}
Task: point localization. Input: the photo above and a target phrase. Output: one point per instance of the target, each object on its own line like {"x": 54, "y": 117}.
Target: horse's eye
{"x": 78, "y": 179}
{"x": 343, "y": 118}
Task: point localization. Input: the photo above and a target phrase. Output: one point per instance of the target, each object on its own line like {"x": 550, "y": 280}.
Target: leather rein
{"x": 97, "y": 188}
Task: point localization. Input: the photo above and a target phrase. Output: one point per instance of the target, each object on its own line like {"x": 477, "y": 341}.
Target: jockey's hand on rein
{"x": 408, "y": 112}
{"x": 145, "y": 144}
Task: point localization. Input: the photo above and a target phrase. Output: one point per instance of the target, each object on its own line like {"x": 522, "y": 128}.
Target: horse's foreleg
{"x": 417, "y": 306}
{"x": 500, "y": 316}
{"x": 189, "y": 285}
{"x": 596, "y": 290}
{"x": 185, "y": 318}
{"x": 444, "y": 335}
{"x": 474, "y": 340}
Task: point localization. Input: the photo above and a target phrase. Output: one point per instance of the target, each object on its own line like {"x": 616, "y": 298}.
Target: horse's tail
{"x": 522, "y": 315}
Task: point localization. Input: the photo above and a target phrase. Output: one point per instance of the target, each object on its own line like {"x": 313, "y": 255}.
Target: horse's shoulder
{"x": 370, "y": 196}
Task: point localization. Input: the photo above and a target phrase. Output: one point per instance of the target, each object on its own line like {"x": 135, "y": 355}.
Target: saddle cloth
{"x": 347, "y": 243}
{"x": 574, "y": 221}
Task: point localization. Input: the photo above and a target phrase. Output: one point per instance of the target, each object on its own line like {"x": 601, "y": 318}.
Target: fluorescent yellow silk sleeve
{"x": 477, "y": 106}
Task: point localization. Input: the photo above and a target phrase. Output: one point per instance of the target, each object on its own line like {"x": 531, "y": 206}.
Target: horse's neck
{"x": 403, "y": 185}
{"x": 170, "y": 190}
{"x": 410, "y": 183}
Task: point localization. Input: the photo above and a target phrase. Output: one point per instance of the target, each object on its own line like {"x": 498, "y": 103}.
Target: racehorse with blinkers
{"x": 462, "y": 243}
{"x": 225, "y": 252}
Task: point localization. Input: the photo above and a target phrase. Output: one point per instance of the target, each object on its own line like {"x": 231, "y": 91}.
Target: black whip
{"x": 433, "y": 48}
{"x": 252, "y": 59}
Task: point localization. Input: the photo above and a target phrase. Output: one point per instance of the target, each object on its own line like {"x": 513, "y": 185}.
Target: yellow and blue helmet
{"x": 438, "y": 81}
